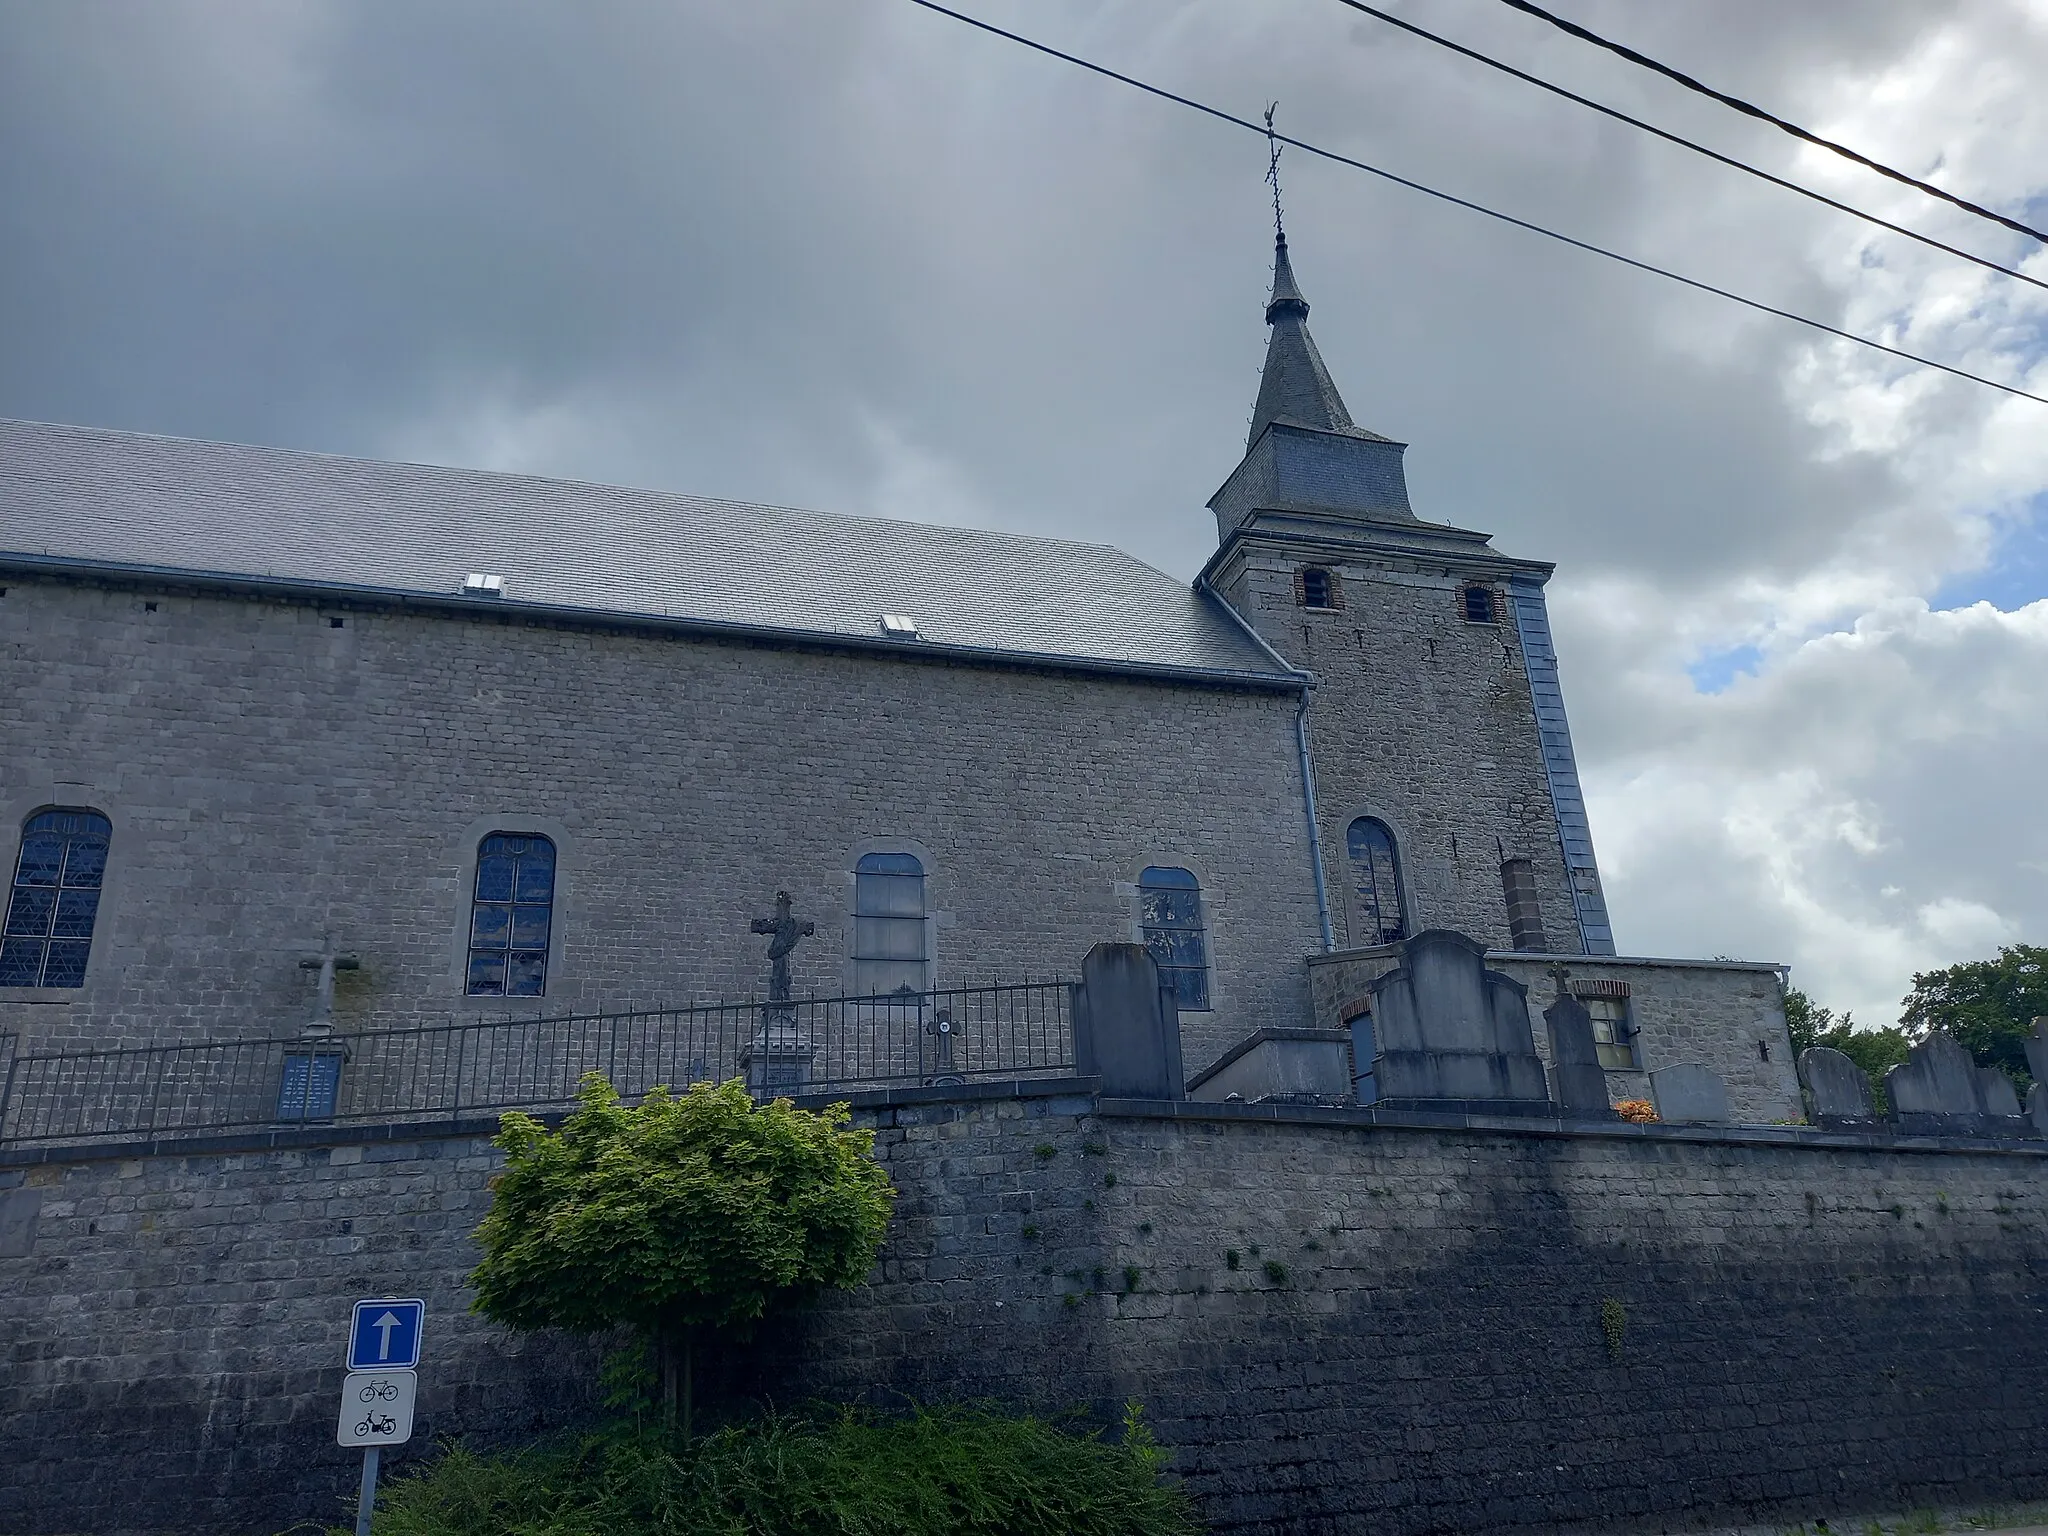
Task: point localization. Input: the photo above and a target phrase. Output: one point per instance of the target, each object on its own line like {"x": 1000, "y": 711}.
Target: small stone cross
{"x": 1559, "y": 974}
{"x": 784, "y": 934}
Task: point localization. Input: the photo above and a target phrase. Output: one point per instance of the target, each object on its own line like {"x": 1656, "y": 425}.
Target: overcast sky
{"x": 852, "y": 255}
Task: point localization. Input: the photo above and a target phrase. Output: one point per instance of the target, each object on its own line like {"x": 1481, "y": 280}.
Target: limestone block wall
{"x": 1423, "y": 721}
{"x": 276, "y": 772}
{"x": 1336, "y": 1326}
{"x": 1725, "y": 1014}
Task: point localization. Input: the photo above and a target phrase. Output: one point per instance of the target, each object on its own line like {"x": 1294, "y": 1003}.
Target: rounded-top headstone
{"x": 1836, "y": 1087}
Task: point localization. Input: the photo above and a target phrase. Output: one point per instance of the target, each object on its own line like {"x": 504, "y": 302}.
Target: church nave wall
{"x": 274, "y": 779}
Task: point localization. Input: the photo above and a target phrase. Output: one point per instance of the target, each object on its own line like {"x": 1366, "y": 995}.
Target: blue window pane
{"x": 1175, "y": 947}
{"x": 525, "y": 974}
{"x": 42, "y": 860}
{"x": 85, "y": 864}
{"x": 530, "y": 928}
{"x": 536, "y": 880}
{"x": 1170, "y": 909}
{"x": 75, "y": 912}
{"x": 28, "y": 914}
{"x": 511, "y": 920}
{"x": 1190, "y": 988}
{"x": 494, "y": 879}
{"x": 888, "y": 864}
{"x": 66, "y": 965}
{"x": 487, "y": 974}
{"x": 21, "y": 960}
{"x": 1376, "y": 880}
{"x": 1158, "y": 875}
{"x": 888, "y": 938}
{"x": 490, "y": 926}
{"x": 889, "y": 895}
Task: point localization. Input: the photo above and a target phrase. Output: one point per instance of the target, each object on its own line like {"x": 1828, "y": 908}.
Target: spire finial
{"x": 1273, "y": 172}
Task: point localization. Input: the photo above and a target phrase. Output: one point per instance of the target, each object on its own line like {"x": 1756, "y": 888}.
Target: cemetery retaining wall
{"x": 1338, "y": 1324}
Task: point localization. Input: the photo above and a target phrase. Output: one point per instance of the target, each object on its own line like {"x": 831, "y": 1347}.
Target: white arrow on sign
{"x": 384, "y": 1325}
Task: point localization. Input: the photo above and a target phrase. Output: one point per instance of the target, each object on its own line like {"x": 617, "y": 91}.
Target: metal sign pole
{"x": 366, "y": 1496}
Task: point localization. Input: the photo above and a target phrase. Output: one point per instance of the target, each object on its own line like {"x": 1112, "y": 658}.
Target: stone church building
{"x": 522, "y": 746}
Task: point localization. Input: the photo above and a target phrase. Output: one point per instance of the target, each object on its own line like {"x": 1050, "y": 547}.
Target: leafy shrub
{"x": 698, "y": 1211}
{"x": 950, "y": 1472}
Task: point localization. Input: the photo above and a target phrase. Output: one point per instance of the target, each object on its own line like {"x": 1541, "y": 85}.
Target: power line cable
{"x": 1492, "y": 213}
{"x": 1749, "y": 109}
{"x": 1711, "y": 154}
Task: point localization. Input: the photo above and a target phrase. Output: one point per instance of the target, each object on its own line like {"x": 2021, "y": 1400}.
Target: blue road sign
{"x": 385, "y": 1335}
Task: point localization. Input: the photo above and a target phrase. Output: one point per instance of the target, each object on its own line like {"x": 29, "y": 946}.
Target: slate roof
{"x": 86, "y": 497}
{"x": 1294, "y": 386}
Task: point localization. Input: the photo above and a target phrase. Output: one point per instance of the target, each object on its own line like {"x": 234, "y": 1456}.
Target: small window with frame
{"x": 1614, "y": 1032}
{"x": 1316, "y": 586}
{"x": 1481, "y": 605}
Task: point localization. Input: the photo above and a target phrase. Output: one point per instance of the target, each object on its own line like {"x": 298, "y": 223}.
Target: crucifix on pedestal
{"x": 778, "y": 1058}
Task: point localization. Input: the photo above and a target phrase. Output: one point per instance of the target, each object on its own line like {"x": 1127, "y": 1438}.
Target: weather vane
{"x": 1273, "y": 169}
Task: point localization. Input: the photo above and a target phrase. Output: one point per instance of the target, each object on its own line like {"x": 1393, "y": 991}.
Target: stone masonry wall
{"x": 1337, "y": 1327}
{"x": 1727, "y": 1015}
{"x": 272, "y": 777}
{"x": 1421, "y": 720}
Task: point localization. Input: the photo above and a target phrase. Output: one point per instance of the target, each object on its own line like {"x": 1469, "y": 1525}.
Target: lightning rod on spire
{"x": 1273, "y": 170}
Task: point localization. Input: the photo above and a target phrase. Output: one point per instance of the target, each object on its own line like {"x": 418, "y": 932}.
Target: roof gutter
{"x": 1307, "y": 682}
{"x": 303, "y": 589}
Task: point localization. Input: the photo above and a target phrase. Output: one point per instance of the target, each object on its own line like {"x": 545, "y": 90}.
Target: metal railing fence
{"x": 462, "y": 1068}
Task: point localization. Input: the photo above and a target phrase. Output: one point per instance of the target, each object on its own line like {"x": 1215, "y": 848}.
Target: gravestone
{"x": 1837, "y": 1090}
{"x": 2001, "y": 1102}
{"x": 2037, "y": 1108}
{"x": 1127, "y": 1026}
{"x": 1935, "y": 1091}
{"x": 1451, "y": 1033}
{"x": 2037, "y": 1050}
{"x": 1577, "y": 1080}
{"x": 1689, "y": 1093}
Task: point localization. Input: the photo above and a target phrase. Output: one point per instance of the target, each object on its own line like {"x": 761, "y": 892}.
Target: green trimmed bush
{"x": 942, "y": 1472}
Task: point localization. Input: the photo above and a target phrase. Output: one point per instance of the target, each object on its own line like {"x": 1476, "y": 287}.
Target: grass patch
{"x": 939, "y": 1472}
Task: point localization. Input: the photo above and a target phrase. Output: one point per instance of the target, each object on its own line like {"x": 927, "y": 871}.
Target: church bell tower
{"x": 1447, "y": 791}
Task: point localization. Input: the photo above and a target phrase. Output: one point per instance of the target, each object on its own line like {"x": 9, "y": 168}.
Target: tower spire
{"x": 1294, "y": 386}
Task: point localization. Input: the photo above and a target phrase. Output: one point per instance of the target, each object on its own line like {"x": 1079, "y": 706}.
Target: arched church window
{"x": 511, "y": 916}
{"x": 55, "y": 899}
{"x": 888, "y": 925}
{"x": 1316, "y": 587}
{"x": 1170, "y": 913}
{"x": 1375, "y": 883}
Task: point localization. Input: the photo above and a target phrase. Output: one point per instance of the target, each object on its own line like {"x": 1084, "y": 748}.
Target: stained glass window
{"x": 55, "y": 899}
{"x": 511, "y": 916}
{"x": 1375, "y": 883}
{"x": 1170, "y": 913}
{"x": 888, "y": 925}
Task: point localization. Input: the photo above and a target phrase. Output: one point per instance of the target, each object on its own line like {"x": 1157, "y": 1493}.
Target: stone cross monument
{"x": 778, "y": 1057}
{"x": 785, "y": 933}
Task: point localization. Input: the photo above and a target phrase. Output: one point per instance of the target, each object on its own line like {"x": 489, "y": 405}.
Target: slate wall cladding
{"x": 1712, "y": 1012}
{"x": 271, "y": 776}
{"x": 1414, "y": 1335}
{"x": 1422, "y": 720}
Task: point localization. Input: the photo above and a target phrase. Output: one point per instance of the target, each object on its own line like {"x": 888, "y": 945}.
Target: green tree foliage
{"x": 683, "y": 1213}
{"x": 1874, "y": 1050}
{"x": 1987, "y": 1006}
